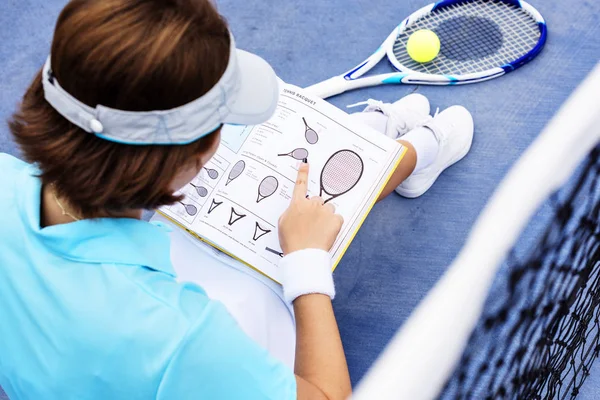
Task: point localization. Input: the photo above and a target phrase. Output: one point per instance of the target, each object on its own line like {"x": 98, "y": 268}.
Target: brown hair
{"x": 135, "y": 55}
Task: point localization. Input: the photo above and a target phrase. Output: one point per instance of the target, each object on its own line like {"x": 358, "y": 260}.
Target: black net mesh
{"x": 538, "y": 335}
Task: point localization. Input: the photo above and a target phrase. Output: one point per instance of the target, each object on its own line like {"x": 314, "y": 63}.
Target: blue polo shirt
{"x": 92, "y": 310}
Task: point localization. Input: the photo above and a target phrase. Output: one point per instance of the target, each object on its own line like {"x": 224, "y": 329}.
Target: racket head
{"x": 480, "y": 40}
{"x": 310, "y": 134}
{"x": 267, "y": 187}
{"x": 237, "y": 170}
{"x": 311, "y": 137}
{"x": 341, "y": 173}
{"x": 299, "y": 154}
{"x": 212, "y": 173}
{"x": 202, "y": 191}
{"x": 189, "y": 208}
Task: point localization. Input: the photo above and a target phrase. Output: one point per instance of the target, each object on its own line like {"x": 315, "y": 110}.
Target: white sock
{"x": 374, "y": 119}
{"x": 425, "y": 144}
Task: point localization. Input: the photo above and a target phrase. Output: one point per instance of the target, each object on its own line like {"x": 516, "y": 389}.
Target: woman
{"x": 90, "y": 308}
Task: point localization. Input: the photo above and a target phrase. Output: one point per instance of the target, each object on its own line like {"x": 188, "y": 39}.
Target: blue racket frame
{"x": 350, "y": 79}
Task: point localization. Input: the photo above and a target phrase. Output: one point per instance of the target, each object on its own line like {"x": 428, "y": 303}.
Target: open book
{"x": 236, "y": 200}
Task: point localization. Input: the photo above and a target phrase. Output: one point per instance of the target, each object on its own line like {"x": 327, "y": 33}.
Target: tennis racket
{"x": 310, "y": 134}
{"x": 212, "y": 173}
{"x": 189, "y": 208}
{"x": 340, "y": 174}
{"x": 267, "y": 187}
{"x": 236, "y": 171}
{"x": 201, "y": 190}
{"x": 298, "y": 154}
{"x": 480, "y": 40}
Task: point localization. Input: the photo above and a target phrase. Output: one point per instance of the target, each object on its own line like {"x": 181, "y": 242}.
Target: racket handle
{"x": 338, "y": 84}
{"x": 329, "y": 87}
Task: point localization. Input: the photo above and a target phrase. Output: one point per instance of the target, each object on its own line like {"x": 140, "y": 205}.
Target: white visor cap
{"x": 246, "y": 94}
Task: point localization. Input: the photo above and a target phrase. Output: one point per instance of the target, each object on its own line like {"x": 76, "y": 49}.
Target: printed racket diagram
{"x": 277, "y": 252}
{"x": 189, "y": 208}
{"x": 201, "y": 190}
{"x": 297, "y": 154}
{"x": 235, "y": 216}
{"x": 340, "y": 174}
{"x": 213, "y": 205}
{"x": 311, "y": 136}
{"x": 236, "y": 171}
{"x": 211, "y": 172}
{"x": 267, "y": 187}
{"x": 259, "y": 231}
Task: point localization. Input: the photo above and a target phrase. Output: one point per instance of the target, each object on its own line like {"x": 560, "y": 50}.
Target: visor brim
{"x": 258, "y": 92}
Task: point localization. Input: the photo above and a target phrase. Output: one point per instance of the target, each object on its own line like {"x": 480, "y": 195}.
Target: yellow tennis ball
{"x": 423, "y": 46}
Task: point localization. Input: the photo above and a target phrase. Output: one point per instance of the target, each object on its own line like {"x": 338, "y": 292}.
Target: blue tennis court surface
{"x": 404, "y": 245}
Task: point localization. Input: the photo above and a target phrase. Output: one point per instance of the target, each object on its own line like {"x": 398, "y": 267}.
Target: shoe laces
{"x": 427, "y": 123}
{"x": 396, "y": 125}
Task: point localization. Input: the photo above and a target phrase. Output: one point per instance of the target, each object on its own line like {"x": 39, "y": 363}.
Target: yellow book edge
{"x": 335, "y": 264}
{"x": 358, "y": 226}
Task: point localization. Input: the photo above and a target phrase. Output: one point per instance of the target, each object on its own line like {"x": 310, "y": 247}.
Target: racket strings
{"x": 311, "y": 136}
{"x": 201, "y": 190}
{"x": 514, "y": 20}
{"x": 476, "y": 36}
{"x": 212, "y": 173}
{"x": 300, "y": 154}
{"x": 189, "y": 208}
{"x": 520, "y": 31}
{"x": 341, "y": 172}
{"x": 268, "y": 186}
{"x": 237, "y": 169}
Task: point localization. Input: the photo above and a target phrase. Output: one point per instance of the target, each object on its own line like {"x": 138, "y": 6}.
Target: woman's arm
{"x": 321, "y": 370}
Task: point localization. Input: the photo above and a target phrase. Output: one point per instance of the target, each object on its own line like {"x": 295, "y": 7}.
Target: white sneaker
{"x": 403, "y": 115}
{"x": 453, "y": 130}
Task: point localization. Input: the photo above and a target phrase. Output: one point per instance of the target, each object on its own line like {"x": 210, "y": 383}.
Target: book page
{"x": 236, "y": 200}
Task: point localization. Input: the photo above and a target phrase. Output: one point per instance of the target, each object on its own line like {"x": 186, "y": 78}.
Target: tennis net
{"x": 517, "y": 314}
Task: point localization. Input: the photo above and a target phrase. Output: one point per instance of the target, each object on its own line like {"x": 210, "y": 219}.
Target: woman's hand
{"x": 308, "y": 223}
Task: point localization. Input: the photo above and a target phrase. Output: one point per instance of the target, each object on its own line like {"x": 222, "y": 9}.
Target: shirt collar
{"x": 104, "y": 240}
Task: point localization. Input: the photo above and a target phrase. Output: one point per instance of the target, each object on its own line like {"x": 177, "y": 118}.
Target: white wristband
{"x": 305, "y": 272}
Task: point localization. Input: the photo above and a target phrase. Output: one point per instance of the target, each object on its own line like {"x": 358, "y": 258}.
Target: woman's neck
{"x": 55, "y": 211}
